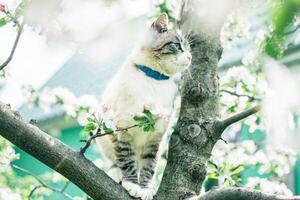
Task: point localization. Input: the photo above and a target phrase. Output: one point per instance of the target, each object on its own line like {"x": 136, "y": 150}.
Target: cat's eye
{"x": 177, "y": 46}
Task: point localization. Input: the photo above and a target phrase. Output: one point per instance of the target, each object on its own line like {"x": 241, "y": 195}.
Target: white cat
{"x": 144, "y": 79}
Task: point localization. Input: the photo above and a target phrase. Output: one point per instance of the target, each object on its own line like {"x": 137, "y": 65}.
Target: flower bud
{"x": 106, "y": 107}
{"x": 139, "y": 114}
{"x": 2, "y": 7}
{"x": 160, "y": 115}
{"x": 147, "y": 107}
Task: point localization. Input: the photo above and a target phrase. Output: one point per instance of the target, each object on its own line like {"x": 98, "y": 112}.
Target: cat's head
{"x": 163, "y": 49}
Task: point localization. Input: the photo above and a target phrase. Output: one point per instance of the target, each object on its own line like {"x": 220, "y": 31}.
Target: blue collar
{"x": 152, "y": 73}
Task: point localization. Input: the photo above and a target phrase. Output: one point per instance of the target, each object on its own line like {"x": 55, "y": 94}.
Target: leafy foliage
{"x": 164, "y": 7}
{"x": 146, "y": 121}
{"x": 284, "y": 14}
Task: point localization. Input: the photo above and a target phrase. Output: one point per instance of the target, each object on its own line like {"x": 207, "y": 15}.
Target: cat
{"x": 146, "y": 78}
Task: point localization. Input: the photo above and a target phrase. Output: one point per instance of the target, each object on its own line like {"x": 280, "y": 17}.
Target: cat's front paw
{"x": 136, "y": 191}
{"x": 115, "y": 173}
{"x": 132, "y": 188}
{"x": 147, "y": 193}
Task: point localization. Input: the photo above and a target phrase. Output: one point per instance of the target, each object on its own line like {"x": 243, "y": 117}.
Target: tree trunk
{"x": 194, "y": 136}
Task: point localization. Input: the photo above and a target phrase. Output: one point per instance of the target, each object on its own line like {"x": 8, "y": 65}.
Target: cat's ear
{"x": 160, "y": 25}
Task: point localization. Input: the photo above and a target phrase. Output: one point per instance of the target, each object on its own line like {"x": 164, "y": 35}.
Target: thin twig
{"x": 181, "y": 10}
{"x": 41, "y": 182}
{"x": 89, "y": 141}
{"x": 7, "y": 61}
{"x": 33, "y": 191}
{"x": 65, "y": 186}
{"x": 251, "y": 98}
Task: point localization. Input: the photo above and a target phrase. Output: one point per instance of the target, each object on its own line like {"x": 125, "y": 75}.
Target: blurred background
{"x": 69, "y": 50}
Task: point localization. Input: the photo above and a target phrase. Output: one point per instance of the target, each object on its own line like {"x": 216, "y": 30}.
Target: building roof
{"x": 80, "y": 76}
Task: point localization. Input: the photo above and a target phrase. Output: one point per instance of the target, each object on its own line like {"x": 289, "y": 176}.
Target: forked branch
{"x": 222, "y": 125}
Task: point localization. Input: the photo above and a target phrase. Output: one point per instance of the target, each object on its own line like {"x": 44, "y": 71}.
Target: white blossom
{"x": 77, "y": 107}
{"x": 6, "y": 193}
{"x": 267, "y": 186}
{"x": 89, "y": 101}
{"x": 82, "y": 118}
{"x": 107, "y": 118}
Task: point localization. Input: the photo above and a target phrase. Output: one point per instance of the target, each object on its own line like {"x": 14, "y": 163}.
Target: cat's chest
{"x": 131, "y": 90}
{"x": 155, "y": 92}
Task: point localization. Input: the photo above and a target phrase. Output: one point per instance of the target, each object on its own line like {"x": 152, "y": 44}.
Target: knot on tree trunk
{"x": 7, "y": 108}
{"x": 197, "y": 133}
{"x": 197, "y": 171}
{"x": 195, "y": 93}
{"x": 192, "y": 132}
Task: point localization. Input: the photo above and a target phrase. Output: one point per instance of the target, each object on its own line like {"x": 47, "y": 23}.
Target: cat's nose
{"x": 189, "y": 56}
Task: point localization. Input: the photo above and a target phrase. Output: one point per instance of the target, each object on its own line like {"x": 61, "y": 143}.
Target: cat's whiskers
{"x": 187, "y": 36}
{"x": 189, "y": 72}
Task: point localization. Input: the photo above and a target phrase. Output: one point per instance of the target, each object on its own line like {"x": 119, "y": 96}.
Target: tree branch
{"x": 7, "y": 61}
{"x": 241, "y": 194}
{"x": 59, "y": 157}
{"x": 251, "y": 98}
{"x": 222, "y": 125}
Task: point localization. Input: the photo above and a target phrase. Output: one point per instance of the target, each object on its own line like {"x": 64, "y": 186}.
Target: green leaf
{"x": 213, "y": 176}
{"x": 274, "y": 45}
{"x": 106, "y": 129}
{"x": 2, "y": 22}
{"x": 146, "y": 128}
{"x": 147, "y": 121}
{"x": 237, "y": 170}
{"x": 137, "y": 118}
{"x": 232, "y": 109}
{"x": 223, "y": 168}
{"x": 229, "y": 182}
{"x": 59, "y": 100}
{"x": 90, "y": 127}
{"x": 92, "y": 119}
{"x": 149, "y": 128}
{"x": 212, "y": 165}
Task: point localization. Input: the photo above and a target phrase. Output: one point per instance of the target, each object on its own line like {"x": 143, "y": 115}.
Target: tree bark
{"x": 241, "y": 194}
{"x": 198, "y": 128}
{"x": 193, "y": 139}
